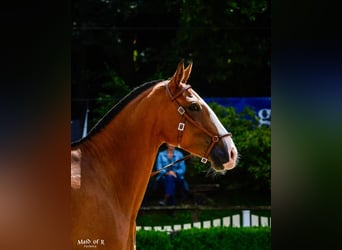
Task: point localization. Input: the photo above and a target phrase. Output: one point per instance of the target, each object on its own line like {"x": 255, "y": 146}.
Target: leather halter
{"x": 185, "y": 117}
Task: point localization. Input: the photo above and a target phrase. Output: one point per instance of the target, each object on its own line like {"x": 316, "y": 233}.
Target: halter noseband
{"x": 185, "y": 117}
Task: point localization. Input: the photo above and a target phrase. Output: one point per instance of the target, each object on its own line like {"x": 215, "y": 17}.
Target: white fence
{"x": 245, "y": 219}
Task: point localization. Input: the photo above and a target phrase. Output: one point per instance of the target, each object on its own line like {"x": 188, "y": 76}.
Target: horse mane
{"x": 116, "y": 109}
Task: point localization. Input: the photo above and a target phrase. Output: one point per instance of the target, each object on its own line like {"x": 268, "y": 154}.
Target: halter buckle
{"x": 181, "y": 126}
{"x": 204, "y": 160}
{"x": 181, "y": 110}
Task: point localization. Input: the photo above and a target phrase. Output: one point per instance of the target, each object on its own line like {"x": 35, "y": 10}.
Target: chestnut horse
{"x": 112, "y": 165}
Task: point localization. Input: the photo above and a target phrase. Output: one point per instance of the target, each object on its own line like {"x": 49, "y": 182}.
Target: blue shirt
{"x": 163, "y": 160}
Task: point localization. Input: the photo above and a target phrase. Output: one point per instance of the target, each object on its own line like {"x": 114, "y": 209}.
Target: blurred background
{"x": 118, "y": 45}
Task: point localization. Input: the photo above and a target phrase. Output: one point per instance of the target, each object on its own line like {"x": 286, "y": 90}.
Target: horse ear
{"x": 177, "y": 76}
{"x": 187, "y": 72}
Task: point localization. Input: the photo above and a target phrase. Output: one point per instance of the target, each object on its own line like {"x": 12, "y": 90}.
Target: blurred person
{"x": 173, "y": 176}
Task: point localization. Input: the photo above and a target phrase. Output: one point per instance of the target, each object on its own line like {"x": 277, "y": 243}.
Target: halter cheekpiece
{"x": 185, "y": 117}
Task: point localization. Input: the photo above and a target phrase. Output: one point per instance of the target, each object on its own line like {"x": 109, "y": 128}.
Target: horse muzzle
{"x": 224, "y": 155}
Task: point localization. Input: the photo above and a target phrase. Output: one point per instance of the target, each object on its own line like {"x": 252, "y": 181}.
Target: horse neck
{"x": 123, "y": 153}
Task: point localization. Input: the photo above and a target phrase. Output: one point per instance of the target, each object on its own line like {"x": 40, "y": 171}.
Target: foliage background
{"x": 254, "y": 144}
{"x": 118, "y": 45}
{"x": 136, "y": 40}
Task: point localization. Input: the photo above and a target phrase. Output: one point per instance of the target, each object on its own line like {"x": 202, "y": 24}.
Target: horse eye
{"x": 194, "y": 107}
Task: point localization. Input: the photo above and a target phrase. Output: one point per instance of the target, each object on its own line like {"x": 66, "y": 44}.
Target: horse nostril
{"x": 232, "y": 154}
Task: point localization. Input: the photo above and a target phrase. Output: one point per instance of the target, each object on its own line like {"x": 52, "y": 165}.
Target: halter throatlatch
{"x": 185, "y": 117}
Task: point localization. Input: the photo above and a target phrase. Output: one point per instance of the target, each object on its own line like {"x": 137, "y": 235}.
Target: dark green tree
{"x": 117, "y": 45}
{"x": 112, "y": 92}
{"x": 254, "y": 145}
{"x": 229, "y": 42}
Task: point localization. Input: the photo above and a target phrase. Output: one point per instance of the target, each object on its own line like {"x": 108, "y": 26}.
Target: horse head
{"x": 199, "y": 131}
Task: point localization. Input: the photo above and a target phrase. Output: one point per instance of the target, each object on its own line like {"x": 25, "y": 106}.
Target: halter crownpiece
{"x": 185, "y": 117}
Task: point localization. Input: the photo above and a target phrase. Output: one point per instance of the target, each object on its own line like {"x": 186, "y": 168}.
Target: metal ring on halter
{"x": 215, "y": 138}
{"x": 204, "y": 160}
{"x": 181, "y": 110}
